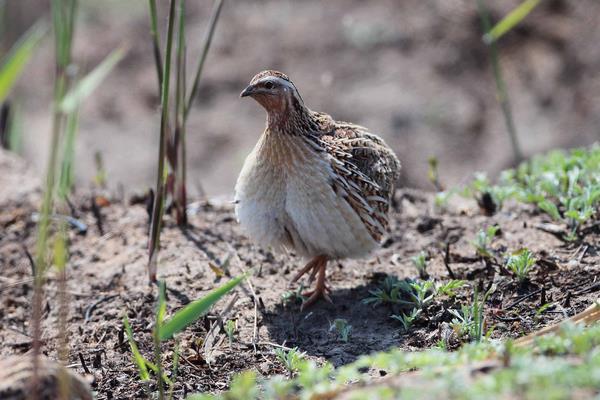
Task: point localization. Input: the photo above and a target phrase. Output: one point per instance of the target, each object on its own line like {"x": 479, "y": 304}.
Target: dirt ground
{"x": 416, "y": 72}
{"x": 108, "y": 279}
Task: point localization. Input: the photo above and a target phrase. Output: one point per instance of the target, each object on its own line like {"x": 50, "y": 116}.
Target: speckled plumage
{"x": 314, "y": 185}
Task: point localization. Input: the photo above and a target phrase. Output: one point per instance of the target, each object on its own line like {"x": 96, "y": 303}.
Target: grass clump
{"x": 406, "y": 293}
{"x": 171, "y": 166}
{"x": 469, "y": 321}
{"x": 564, "y": 185}
{"x": 533, "y": 372}
{"x": 411, "y": 297}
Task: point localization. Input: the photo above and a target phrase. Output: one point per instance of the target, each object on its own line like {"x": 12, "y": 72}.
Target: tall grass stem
{"x": 501, "y": 91}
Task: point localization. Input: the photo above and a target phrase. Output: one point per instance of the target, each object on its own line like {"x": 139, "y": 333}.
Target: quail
{"x": 319, "y": 187}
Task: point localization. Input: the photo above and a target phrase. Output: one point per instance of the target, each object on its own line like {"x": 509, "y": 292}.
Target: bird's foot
{"x": 318, "y": 266}
{"x": 312, "y": 266}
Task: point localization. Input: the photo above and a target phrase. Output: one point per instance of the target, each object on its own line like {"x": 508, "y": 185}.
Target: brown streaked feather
{"x": 365, "y": 168}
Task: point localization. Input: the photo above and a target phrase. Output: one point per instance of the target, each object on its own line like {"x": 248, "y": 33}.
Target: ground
{"x": 107, "y": 279}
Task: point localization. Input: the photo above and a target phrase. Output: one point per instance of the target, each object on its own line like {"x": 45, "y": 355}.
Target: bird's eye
{"x": 269, "y": 85}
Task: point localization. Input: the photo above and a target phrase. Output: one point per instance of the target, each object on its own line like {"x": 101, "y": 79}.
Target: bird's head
{"x": 274, "y": 91}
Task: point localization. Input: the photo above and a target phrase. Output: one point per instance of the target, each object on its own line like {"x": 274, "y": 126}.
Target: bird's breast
{"x": 285, "y": 198}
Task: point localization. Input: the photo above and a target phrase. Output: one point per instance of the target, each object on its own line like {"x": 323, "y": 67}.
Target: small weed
{"x": 541, "y": 310}
{"x": 420, "y": 263}
{"x": 390, "y": 291}
{"x": 520, "y": 263}
{"x": 449, "y": 288}
{"x": 291, "y": 359}
{"x": 433, "y": 174}
{"x": 293, "y": 296}
{"x": 441, "y": 345}
{"x": 423, "y": 293}
{"x": 406, "y": 293}
{"x": 230, "y": 330}
{"x": 469, "y": 320}
{"x": 342, "y": 327}
{"x": 407, "y": 319}
{"x": 442, "y": 199}
{"x": 484, "y": 239}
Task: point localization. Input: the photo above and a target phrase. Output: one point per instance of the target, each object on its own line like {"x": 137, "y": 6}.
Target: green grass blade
{"x": 66, "y": 178}
{"x": 17, "y": 58}
{"x": 501, "y": 90}
{"x": 87, "y": 85}
{"x": 154, "y": 368}
{"x": 156, "y": 42}
{"x": 161, "y": 307}
{"x": 139, "y": 360}
{"x": 15, "y": 128}
{"x": 191, "y": 312}
{"x": 510, "y": 21}
{"x": 175, "y": 370}
{"x": 178, "y": 140}
{"x": 159, "y": 194}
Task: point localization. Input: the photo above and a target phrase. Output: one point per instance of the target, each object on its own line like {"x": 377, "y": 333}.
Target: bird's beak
{"x": 248, "y": 91}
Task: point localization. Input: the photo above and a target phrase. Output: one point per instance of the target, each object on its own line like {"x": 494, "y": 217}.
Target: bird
{"x": 313, "y": 185}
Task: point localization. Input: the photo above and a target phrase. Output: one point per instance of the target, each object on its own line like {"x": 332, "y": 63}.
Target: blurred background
{"x": 415, "y": 72}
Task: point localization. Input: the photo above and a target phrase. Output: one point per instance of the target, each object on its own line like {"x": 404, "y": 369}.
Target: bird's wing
{"x": 365, "y": 169}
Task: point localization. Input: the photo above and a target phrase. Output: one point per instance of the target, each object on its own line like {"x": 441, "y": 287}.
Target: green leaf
{"x": 139, "y": 360}
{"x": 87, "y": 85}
{"x": 191, "y": 312}
{"x": 19, "y": 55}
{"x": 550, "y": 208}
{"x": 509, "y": 22}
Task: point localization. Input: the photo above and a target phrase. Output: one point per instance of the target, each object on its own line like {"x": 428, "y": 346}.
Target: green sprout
{"x": 291, "y": 358}
{"x": 520, "y": 264}
{"x": 420, "y": 263}
{"x": 230, "y": 329}
{"x": 293, "y": 296}
{"x": 406, "y": 293}
{"x": 483, "y": 241}
{"x": 423, "y": 293}
{"x": 469, "y": 320}
{"x": 407, "y": 319}
{"x": 342, "y": 327}
{"x": 449, "y": 288}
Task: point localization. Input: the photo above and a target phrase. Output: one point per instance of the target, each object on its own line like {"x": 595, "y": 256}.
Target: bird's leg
{"x": 321, "y": 287}
{"x": 309, "y": 266}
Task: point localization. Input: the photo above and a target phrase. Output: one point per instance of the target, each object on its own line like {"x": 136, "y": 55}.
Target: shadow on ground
{"x": 311, "y": 330}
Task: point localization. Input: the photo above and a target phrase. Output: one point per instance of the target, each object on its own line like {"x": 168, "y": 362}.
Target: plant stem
{"x": 156, "y": 42}
{"x": 179, "y": 194}
{"x": 501, "y": 92}
{"x": 63, "y": 16}
{"x": 157, "y": 210}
